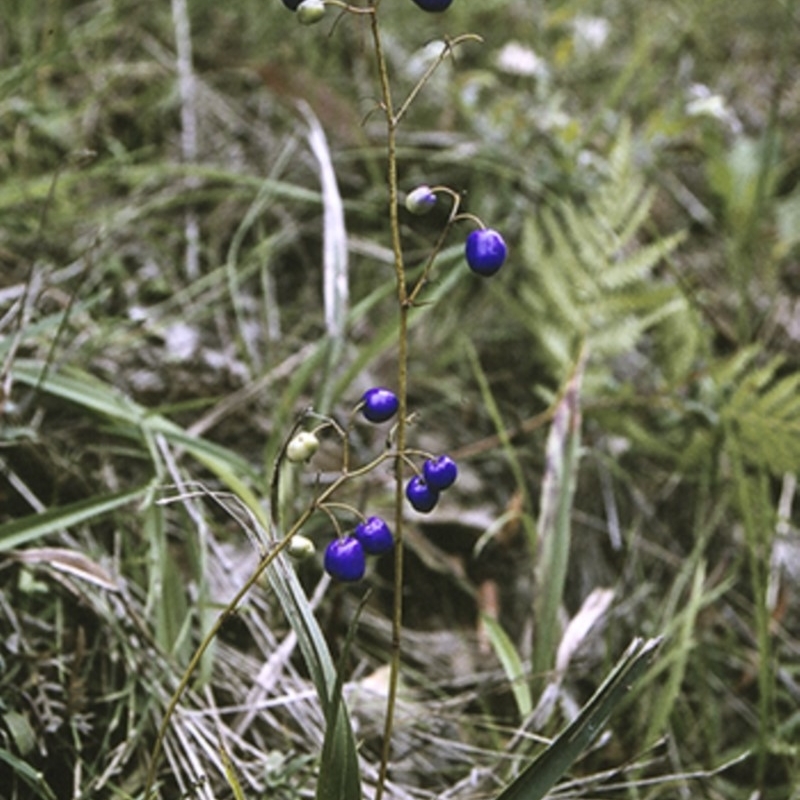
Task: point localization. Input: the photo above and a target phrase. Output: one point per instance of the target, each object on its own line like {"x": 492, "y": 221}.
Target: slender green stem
{"x": 402, "y": 390}
{"x": 447, "y": 48}
{"x": 405, "y": 303}
{"x": 754, "y": 507}
{"x": 423, "y": 279}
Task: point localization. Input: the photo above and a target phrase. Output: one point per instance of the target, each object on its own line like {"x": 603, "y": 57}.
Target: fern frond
{"x": 636, "y": 214}
{"x": 624, "y": 334}
{"x": 763, "y": 415}
{"x": 639, "y": 265}
{"x": 783, "y": 398}
{"x": 623, "y": 197}
{"x": 590, "y": 279}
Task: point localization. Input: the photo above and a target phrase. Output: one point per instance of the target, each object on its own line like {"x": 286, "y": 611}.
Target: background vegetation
{"x": 163, "y": 326}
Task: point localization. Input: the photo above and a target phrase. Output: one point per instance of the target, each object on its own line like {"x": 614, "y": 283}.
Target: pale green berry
{"x": 302, "y": 447}
{"x": 301, "y": 547}
{"x": 310, "y": 11}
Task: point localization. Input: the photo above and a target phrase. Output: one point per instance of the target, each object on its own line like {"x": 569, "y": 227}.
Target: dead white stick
{"x": 188, "y": 95}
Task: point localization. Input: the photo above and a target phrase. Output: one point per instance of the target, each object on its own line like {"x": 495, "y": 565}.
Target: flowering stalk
{"x": 402, "y": 386}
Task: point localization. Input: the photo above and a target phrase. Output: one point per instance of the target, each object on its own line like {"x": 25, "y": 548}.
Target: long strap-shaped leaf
{"x": 84, "y": 390}
{"x": 539, "y": 777}
{"x": 18, "y": 532}
{"x": 338, "y": 777}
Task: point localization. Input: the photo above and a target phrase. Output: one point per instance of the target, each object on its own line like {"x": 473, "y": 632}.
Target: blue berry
{"x": 486, "y": 251}
{"x": 432, "y": 5}
{"x": 440, "y": 473}
{"x": 375, "y": 536}
{"x": 379, "y": 405}
{"x": 344, "y": 559}
{"x": 291, "y": 4}
{"x": 421, "y": 496}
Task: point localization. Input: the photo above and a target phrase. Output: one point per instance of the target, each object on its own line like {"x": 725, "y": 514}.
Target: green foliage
{"x": 540, "y": 776}
{"x": 554, "y": 528}
{"x": 339, "y": 775}
{"x": 762, "y": 417}
{"x": 743, "y": 177}
{"x": 32, "y": 778}
{"x": 690, "y": 395}
{"x": 512, "y": 665}
{"x": 24, "y": 530}
{"x": 588, "y": 278}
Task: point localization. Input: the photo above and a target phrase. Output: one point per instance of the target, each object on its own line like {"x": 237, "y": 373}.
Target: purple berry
{"x": 432, "y": 5}
{"x": 440, "y": 473}
{"x": 344, "y": 559}
{"x": 379, "y": 404}
{"x": 486, "y": 251}
{"x": 375, "y": 536}
{"x": 421, "y": 496}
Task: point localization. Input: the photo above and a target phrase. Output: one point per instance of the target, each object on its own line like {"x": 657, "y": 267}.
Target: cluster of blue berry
{"x": 485, "y": 252}
{"x": 345, "y": 557}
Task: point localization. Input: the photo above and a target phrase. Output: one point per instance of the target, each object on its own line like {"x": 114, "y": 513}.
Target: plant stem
{"x": 756, "y": 515}
{"x": 402, "y": 389}
{"x": 447, "y": 48}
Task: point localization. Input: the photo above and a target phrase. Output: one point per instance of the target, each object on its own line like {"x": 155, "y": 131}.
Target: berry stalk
{"x": 402, "y": 386}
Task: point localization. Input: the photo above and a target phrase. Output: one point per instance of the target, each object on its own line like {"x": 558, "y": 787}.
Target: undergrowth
{"x": 202, "y": 251}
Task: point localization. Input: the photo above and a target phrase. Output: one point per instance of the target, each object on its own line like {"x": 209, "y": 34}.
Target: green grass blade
{"x": 510, "y": 453}
{"x": 512, "y": 665}
{"x": 167, "y": 602}
{"x": 80, "y": 388}
{"x": 558, "y": 486}
{"x": 490, "y": 404}
{"x": 28, "y": 774}
{"x": 231, "y": 776}
{"x": 35, "y": 526}
{"x": 331, "y": 783}
{"x": 86, "y": 391}
{"x": 339, "y": 773}
{"x": 539, "y": 777}
{"x": 681, "y": 649}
